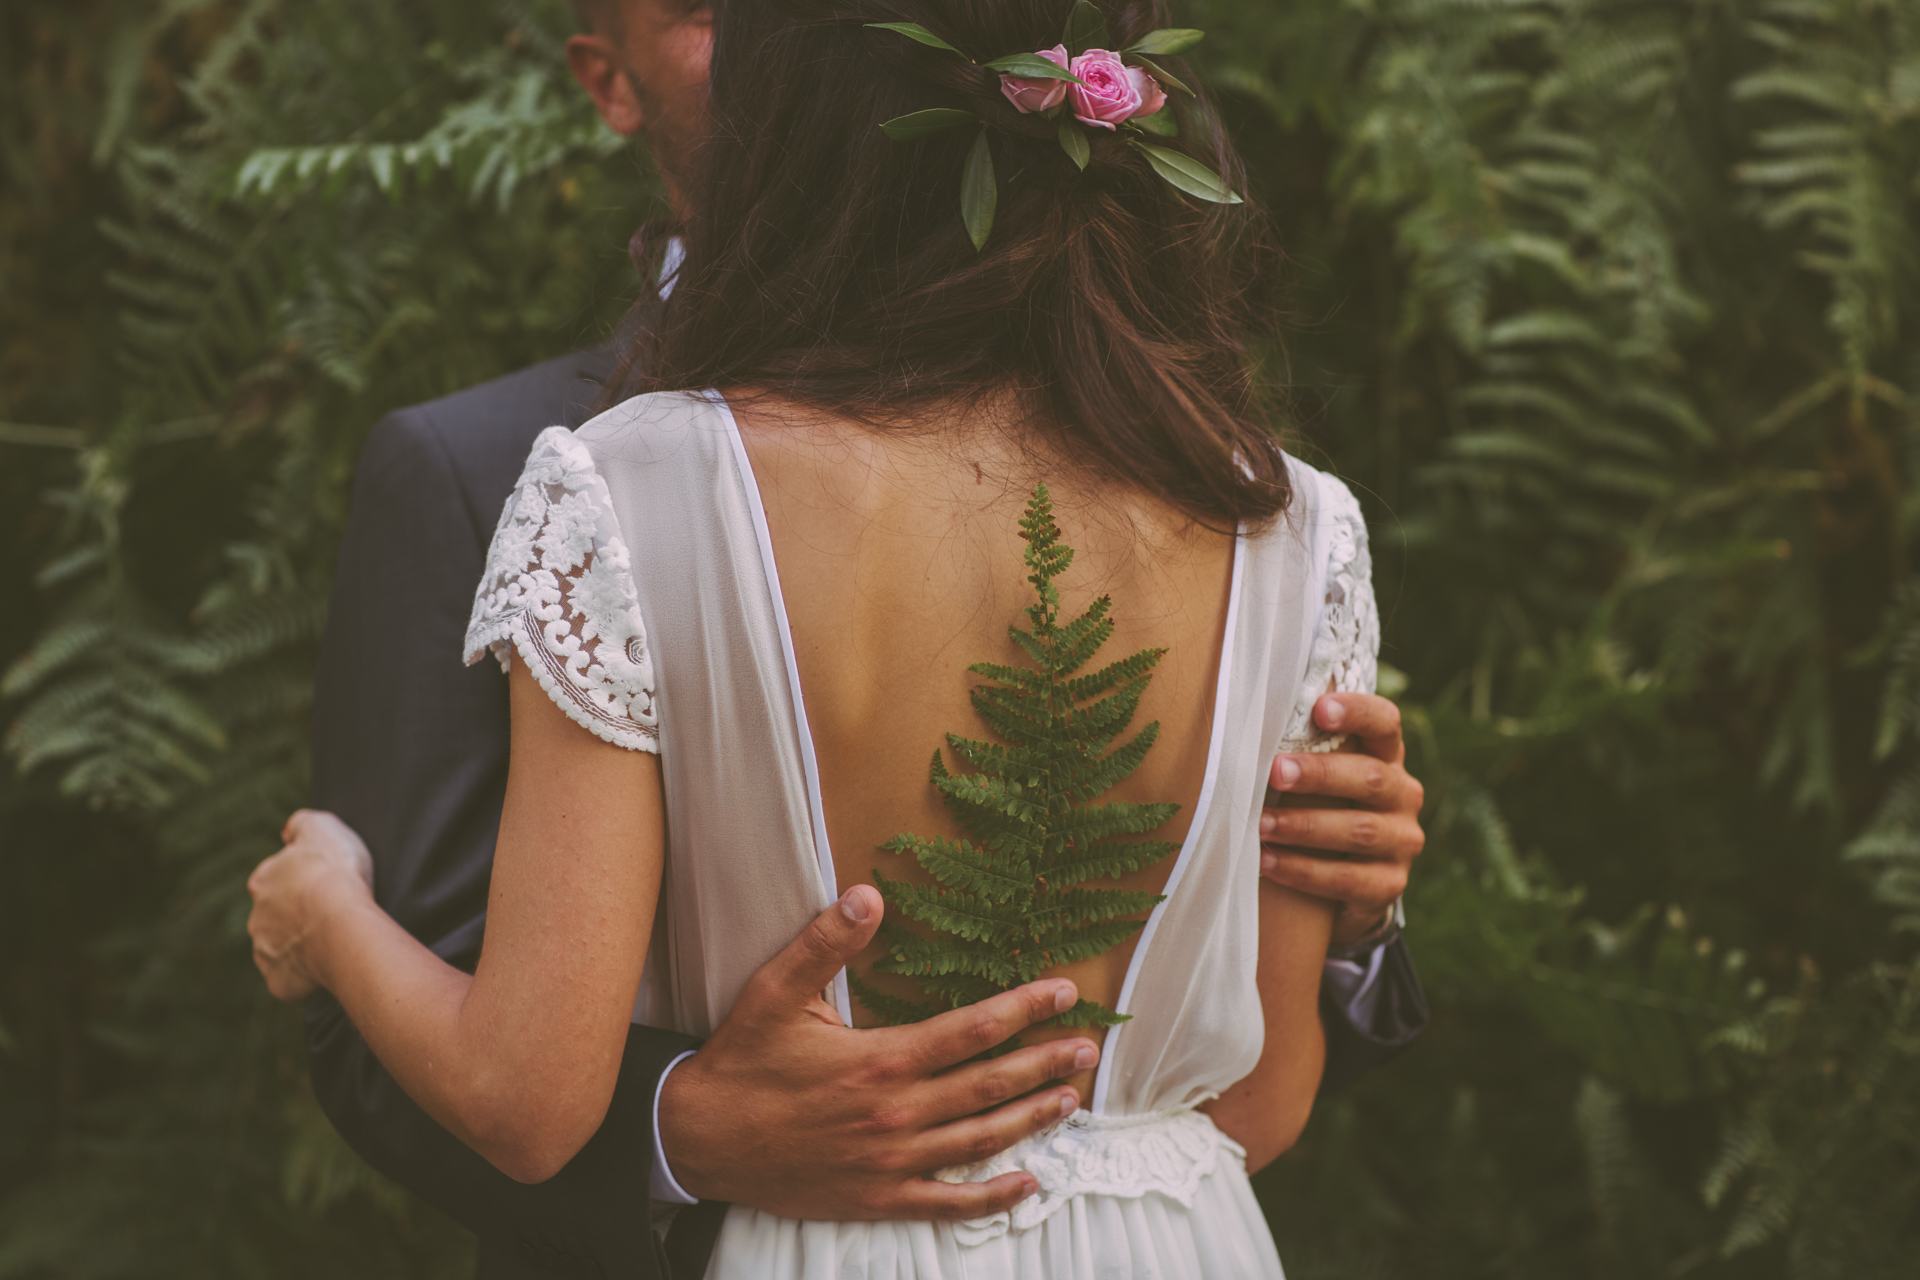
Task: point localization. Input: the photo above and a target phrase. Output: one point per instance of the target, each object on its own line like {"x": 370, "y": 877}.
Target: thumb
{"x": 809, "y": 962}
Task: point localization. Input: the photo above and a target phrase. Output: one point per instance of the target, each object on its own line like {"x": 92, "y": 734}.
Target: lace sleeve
{"x": 1346, "y": 648}
{"x": 558, "y": 588}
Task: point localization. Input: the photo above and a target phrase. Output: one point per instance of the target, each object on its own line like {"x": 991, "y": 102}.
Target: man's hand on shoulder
{"x": 788, "y": 1110}
{"x": 1358, "y": 846}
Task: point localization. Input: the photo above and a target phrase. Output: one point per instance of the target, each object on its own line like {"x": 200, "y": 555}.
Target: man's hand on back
{"x": 1358, "y": 851}
{"x": 789, "y": 1111}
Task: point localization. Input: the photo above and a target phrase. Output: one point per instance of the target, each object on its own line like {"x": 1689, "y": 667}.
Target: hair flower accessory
{"x": 1110, "y": 92}
{"x": 1036, "y": 96}
{"x": 1086, "y": 85}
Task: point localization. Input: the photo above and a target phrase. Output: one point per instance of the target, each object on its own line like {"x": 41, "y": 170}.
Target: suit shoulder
{"x": 479, "y": 437}
{"x": 516, "y": 407}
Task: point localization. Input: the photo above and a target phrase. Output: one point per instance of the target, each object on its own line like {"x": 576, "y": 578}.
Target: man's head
{"x": 644, "y": 64}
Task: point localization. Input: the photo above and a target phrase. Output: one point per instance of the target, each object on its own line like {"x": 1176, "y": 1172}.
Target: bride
{"x": 737, "y": 611}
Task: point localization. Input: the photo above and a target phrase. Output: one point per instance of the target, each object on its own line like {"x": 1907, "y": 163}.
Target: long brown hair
{"x": 829, "y": 265}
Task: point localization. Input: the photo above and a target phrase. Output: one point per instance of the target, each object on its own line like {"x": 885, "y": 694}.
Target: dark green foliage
{"x": 1012, "y": 901}
{"x": 188, "y": 366}
{"x": 1620, "y": 320}
{"x": 1609, "y": 309}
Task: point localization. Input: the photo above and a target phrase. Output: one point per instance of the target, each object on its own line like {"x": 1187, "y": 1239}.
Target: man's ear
{"x": 596, "y": 63}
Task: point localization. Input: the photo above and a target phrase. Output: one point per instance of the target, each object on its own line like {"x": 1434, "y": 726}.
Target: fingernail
{"x": 1267, "y": 823}
{"x": 853, "y": 905}
{"x": 1087, "y": 1056}
{"x": 1285, "y": 773}
{"x": 1069, "y": 1104}
{"x": 1268, "y": 862}
{"x": 1332, "y": 712}
{"x": 1064, "y": 999}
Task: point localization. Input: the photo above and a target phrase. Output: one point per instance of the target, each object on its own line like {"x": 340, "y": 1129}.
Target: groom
{"x": 778, "y": 1109}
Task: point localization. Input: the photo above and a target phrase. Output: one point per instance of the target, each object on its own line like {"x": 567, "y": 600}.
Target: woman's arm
{"x": 520, "y": 1059}
{"x": 1266, "y": 1111}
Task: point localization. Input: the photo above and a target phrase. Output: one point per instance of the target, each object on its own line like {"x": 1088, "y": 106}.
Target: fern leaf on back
{"x": 1010, "y": 903}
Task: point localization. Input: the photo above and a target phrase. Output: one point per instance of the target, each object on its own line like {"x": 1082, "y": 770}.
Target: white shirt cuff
{"x": 1354, "y": 983}
{"x": 664, "y": 1187}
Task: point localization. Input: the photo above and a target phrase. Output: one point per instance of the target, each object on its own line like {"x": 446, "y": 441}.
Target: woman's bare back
{"x": 901, "y": 563}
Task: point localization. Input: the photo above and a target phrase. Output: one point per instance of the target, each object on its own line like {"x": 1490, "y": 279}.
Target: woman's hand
{"x": 323, "y": 865}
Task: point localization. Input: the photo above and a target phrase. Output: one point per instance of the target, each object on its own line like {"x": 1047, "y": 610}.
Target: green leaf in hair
{"x": 1160, "y": 122}
{"x": 1073, "y": 141}
{"x": 1167, "y": 41}
{"x": 1032, "y": 67}
{"x": 1188, "y": 174}
{"x": 1166, "y": 79}
{"x": 922, "y": 124}
{"x": 914, "y": 31}
{"x": 1086, "y": 29}
{"x": 979, "y": 192}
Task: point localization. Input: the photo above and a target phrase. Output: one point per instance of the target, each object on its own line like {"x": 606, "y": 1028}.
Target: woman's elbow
{"x": 530, "y": 1134}
{"x": 530, "y": 1159}
{"x": 1276, "y": 1137}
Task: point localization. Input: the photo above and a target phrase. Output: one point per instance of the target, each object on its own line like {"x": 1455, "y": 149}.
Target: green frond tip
{"x": 1013, "y": 901}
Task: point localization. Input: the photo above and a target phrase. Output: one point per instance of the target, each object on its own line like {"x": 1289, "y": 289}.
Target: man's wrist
{"x": 1390, "y": 925}
{"x": 678, "y": 1103}
{"x": 665, "y": 1187}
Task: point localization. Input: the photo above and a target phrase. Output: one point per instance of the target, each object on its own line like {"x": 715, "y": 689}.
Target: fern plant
{"x": 1013, "y": 900}
{"x": 1620, "y": 311}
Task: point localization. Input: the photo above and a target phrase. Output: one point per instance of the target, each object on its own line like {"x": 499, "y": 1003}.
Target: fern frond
{"x": 957, "y": 863}
{"x": 1127, "y": 669}
{"x": 1088, "y": 1013}
{"x": 1101, "y": 822}
{"x": 1088, "y": 941}
{"x": 1111, "y": 858}
{"x": 1072, "y": 908}
{"x": 898, "y": 1012}
{"x": 1008, "y": 906}
{"x": 951, "y": 911}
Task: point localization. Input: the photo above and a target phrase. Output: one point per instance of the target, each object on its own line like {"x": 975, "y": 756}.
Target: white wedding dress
{"x": 633, "y": 573}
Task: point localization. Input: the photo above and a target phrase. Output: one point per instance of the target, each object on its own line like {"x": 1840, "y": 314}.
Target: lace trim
{"x": 1169, "y": 1152}
{"x": 1346, "y": 652}
{"x": 558, "y": 587}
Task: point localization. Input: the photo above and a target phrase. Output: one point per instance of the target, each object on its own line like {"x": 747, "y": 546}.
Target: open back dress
{"x": 633, "y": 572}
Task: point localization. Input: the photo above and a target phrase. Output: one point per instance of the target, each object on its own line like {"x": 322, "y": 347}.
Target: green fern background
{"x": 1608, "y": 310}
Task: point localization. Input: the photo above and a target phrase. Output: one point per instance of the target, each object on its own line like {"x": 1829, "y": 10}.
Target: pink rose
{"x": 1152, "y": 96}
{"x": 1113, "y": 91}
{"x": 1033, "y": 95}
